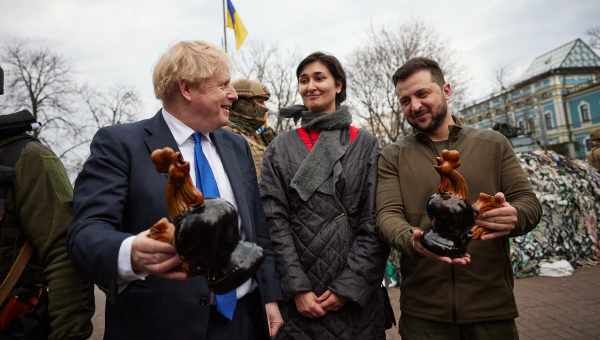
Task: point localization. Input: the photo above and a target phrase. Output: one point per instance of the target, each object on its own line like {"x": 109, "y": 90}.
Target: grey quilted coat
{"x": 327, "y": 242}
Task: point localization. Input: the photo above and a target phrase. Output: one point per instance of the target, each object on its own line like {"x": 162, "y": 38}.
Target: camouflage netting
{"x": 569, "y": 191}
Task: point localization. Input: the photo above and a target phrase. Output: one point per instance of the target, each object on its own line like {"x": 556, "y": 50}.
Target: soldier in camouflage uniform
{"x": 249, "y": 117}
{"x": 594, "y": 155}
{"x": 35, "y": 207}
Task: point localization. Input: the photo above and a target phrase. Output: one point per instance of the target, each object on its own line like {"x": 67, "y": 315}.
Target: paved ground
{"x": 550, "y": 308}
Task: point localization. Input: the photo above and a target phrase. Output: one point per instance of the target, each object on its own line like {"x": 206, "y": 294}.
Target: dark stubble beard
{"x": 437, "y": 119}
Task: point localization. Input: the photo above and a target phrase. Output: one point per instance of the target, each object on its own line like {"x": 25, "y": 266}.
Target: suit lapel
{"x": 158, "y": 134}
{"x": 228, "y": 157}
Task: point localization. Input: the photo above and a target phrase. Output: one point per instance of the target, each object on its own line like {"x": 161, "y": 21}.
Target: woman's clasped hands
{"x": 312, "y": 306}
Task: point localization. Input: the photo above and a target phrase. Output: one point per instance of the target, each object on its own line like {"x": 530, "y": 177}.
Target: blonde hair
{"x": 190, "y": 61}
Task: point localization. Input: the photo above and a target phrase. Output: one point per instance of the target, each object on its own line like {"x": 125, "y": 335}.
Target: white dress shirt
{"x": 183, "y": 137}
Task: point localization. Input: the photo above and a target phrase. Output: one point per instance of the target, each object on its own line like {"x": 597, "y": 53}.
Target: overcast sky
{"x": 118, "y": 42}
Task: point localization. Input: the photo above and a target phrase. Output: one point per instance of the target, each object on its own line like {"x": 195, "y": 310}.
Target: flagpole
{"x": 224, "y": 27}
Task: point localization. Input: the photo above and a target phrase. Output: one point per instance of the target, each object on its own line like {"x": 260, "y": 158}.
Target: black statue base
{"x": 207, "y": 238}
{"x": 442, "y": 246}
{"x": 451, "y": 221}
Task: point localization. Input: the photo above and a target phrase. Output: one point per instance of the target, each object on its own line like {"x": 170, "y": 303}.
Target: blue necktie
{"x": 205, "y": 182}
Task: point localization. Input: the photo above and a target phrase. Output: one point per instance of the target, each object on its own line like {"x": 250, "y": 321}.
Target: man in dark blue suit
{"x": 119, "y": 195}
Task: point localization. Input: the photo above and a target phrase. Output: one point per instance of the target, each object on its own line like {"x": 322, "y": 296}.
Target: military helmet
{"x": 247, "y": 88}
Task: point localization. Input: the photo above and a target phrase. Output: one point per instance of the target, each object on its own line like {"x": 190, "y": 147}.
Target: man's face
{"x": 424, "y": 102}
{"x": 260, "y": 102}
{"x": 211, "y": 102}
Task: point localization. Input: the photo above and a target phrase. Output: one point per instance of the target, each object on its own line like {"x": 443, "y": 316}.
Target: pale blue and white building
{"x": 555, "y": 104}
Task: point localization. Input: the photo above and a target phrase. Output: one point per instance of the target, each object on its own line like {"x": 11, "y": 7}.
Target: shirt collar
{"x": 179, "y": 130}
{"x": 453, "y": 133}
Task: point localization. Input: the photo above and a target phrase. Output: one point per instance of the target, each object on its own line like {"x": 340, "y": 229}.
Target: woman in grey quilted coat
{"x": 318, "y": 192}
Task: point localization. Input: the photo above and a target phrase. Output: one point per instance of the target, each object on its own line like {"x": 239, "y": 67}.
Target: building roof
{"x": 572, "y": 54}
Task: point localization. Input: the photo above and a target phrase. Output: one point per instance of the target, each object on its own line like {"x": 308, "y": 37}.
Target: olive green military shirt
{"x": 41, "y": 205}
{"x": 594, "y": 158}
{"x": 433, "y": 290}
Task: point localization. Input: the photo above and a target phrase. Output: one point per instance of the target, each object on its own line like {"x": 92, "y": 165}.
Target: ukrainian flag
{"x": 234, "y": 22}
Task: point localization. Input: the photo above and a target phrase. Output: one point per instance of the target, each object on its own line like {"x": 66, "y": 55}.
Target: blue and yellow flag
{"x": 234, "y": 22}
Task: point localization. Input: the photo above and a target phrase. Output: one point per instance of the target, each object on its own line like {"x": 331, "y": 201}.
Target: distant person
{"x": 470, "y": 297}
{"x": 42, "y": 296}
{"x": 594, "y": 155}
{"x": 318, "y": 190}
{"x": 248, "y": 117}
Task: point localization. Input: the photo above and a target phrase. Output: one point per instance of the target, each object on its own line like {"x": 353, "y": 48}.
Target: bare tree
{"x": 252, "y": 62}
{"x": 275, "y": 69}
{"x": 116, "y": 106}
{"x": 502, "y": 85}
{"x": 40, "y": 81}
{"x": 594, "y": 37}
{"x": 501, "y": 74}
{"x": 98, "y": 109}
{"x": 372, "y": 65}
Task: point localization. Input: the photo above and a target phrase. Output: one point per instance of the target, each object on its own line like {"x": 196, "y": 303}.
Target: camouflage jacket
{"x": 594, "y": 158}
{"x": 257, "y": 142}
{"x": 40, "y": 206}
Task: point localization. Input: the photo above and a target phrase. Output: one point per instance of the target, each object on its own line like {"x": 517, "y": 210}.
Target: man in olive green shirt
{"x": 37, "y": 209}
{"x": 470, "y": 297}
{"x": 594, "y": 156}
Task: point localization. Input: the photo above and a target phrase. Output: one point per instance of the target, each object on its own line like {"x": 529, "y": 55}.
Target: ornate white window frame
{"x": 551, "y": 126}
{"x": 581, "y": 104}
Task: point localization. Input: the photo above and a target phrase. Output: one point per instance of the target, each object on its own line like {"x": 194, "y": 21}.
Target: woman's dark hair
{"x": 334, "y": 67}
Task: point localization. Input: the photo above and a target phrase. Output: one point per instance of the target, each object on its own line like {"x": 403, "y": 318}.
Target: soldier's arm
{"x": 43, "y": 199}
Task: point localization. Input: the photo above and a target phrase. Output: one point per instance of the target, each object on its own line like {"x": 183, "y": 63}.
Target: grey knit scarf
{"x": 323, "y": 163}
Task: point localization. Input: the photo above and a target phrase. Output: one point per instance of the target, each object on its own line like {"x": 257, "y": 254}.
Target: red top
{"x": 310, "y": 137}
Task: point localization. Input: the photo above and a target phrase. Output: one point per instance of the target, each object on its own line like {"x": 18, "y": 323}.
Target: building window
{"x": 587, "y": 144}
{"x": 549, "y": 121}
{"x": 521, "y": 125}
{"x": 584, "y": 112}
{"x": 530, "y": 126}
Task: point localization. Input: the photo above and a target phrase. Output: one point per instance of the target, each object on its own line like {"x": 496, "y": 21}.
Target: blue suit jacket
{"x": 119, "y": 193}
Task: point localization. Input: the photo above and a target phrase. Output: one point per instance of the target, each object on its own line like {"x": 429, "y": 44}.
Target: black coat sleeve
{"x": 99, "y": 199}
{"x": 275, "y": 202}
{"x": 367, "y": 257}
{"x": 268, "y": 279}
{"x": 43, "y": 200}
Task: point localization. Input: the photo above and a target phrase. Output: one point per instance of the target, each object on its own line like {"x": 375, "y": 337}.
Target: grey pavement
{"x": 549, "y": 308}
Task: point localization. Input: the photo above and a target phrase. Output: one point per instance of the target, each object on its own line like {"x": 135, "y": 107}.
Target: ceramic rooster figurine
{"x": 204, "y": 231}
{"x": 452, "y": 217}
{"x": 180, "y": 192}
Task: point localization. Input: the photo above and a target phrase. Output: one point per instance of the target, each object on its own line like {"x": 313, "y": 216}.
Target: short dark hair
{"x": 333, "y": 65}
{"x": 417, "y": 64}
